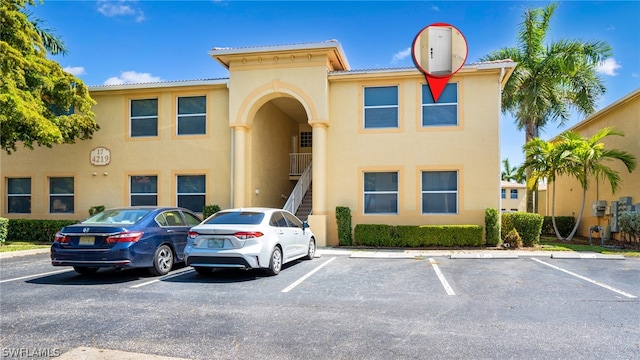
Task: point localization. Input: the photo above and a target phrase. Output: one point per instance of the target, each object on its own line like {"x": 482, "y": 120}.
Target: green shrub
{"x": 630, "y": 224}
{"x": 343, "y": 218}
{"x": 4, "y": 226}
{"x": 35, "y": 231}
{"x": 492, "y": 226}
{"x": 209, "y": 210}
{"x": 512, "y": 240}
{"x": 417, "y": 236}
{"x": 96, "y": 209}
{"x": 528, "y": 226}
{"x": 565, "y": 225}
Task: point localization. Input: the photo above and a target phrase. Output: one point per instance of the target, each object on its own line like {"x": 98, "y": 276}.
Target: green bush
{"x": 512, "y": 240}
{"x": 96, "y": 209}
{"x": 565, "y": 225}
{"x": 630, "y": 224}
{"x": 343, "y": 218}
{"x": 4, "y": 226}
{"x": 417, "y": 236}
{"x": 528, "y": 226}
{"x": 209, "y": 210}
{"x": 492, "y": 227}
{"x": 35, "y": 231}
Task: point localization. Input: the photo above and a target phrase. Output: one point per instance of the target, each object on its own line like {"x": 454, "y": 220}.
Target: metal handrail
{"x": 298, "y": 163}
{"x": 295, "y": 199}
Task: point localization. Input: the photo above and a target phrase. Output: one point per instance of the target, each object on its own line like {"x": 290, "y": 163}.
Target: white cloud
{"x": 74, "y": 70}
{"x": 120, "y": 8}
{"x": 401, "y": 55}
{"x": 435, "y": 8}
{"x": 635, "y": 75}
{"x": 131, "y": 77}
{"x": 608, "y": 67}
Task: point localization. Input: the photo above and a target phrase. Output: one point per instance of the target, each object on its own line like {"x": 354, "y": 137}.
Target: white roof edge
{"x": 495, "y": 65}
{"x": 478, "y": 66}
{"x": 254, "y": 49}
{"x": 161, "y": 84}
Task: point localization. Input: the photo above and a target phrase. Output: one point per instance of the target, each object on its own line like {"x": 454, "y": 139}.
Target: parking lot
{"x": 334, "y": 306}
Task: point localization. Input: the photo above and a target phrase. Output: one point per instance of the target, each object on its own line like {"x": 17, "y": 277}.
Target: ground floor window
{"x": 439, "y": 192}
{"x": 380, "y": 192}
{"x": 19, "y": 195}
{"x": 61, "y": 195}
{"x": 192, "y": 192}
{"x": 144, "y": 190}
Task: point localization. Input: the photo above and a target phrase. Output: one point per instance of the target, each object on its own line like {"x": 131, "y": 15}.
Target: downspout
{"x": 232, "y": 168}
{"x": 500, "y": 135}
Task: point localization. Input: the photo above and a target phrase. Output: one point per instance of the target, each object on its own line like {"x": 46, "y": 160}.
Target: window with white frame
{"x": 380, "y": 107}
{"x": 514, "y": 193}
{"x": 144, "y": 117}
{"x": 503, "y": 193}
{"x": 191, "y": 192}
{"x": 441, "y": 113}
{"x": 192, "y": 115}
{"x": 380, "y": 192}
{"x": 439, "y": 192}
{"x": 143, "y": 190}
{"x": 61, "y": 195}
{"x": 19, "y": 195}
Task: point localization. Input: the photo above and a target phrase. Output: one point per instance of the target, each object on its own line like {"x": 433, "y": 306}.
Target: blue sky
{"x": 112, "y": 42}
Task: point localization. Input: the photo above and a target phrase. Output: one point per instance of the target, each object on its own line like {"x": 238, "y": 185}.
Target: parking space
{"x": 345, "y": 307}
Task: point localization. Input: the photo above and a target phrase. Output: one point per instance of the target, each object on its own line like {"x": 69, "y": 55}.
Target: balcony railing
{"x": 295, "y": 199}
{"x": 298, "y": 163}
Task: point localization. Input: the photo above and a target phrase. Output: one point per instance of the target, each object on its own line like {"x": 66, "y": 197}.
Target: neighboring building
{"x": 513, "y": 196}
{"x": 623, "y": 115}
{"x": 376, "y": 140}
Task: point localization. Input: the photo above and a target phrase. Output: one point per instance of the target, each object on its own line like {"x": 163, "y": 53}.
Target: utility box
{"x": 637, "y": 208}
{"x": 598, "y": 207}
{"x": 624, "y": 204}
{"x": 613, "y": 220}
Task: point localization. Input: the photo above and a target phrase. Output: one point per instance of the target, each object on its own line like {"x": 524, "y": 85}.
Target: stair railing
{"x": 296, "y": 196}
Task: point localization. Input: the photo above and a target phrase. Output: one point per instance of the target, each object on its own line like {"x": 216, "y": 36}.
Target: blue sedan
{"x": 131, "y": 237}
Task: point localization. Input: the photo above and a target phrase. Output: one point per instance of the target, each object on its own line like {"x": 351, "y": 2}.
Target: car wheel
{"x": 85, "y": 270}
{"x": 312, "y": 249}
{"x": 162, "y": 261}
{"x": 275, "y": 264}
{"x": 202, "y": 270}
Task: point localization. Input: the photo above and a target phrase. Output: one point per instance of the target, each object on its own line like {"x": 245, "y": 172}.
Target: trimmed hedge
{"x": 209, "y": 210}
{"x": 36, "y": 231}
{"x": 565, "y": 225}
{"x": 528, "y": 226}
{"x": 4, "y": 226}
{"x": 343, "y": 218}
{"x": 492, "y": 226}
{"x": 417, "y": 236}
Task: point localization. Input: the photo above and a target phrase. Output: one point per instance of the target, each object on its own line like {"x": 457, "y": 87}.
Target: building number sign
{"x": 100, "y": 156}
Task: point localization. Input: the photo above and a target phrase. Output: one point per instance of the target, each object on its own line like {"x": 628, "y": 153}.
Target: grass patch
{"x": 553, "y": 244}
{"x": 21, "y": 245}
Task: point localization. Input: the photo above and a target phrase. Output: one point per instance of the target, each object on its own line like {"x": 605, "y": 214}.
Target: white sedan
{"x": 249, "y": 238}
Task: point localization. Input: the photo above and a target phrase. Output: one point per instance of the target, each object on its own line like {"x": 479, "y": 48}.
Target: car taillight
{"x": 192, "y": 235}
{"x": 61, "y": 238}
{"x": 244, "y": 235}
{"x": 132, "y": 236}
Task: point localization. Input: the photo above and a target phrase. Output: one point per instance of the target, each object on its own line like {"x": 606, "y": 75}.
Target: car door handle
{"x": 171, "y": 231}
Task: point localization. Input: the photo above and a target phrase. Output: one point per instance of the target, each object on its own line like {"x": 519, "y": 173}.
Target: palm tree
{"x": 509, "y": 173}
{"x": 549, "y": 80}
{"x": 574, "y": 156}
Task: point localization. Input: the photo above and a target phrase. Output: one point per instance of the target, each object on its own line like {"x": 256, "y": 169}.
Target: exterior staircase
{"x": 305, "y": 207}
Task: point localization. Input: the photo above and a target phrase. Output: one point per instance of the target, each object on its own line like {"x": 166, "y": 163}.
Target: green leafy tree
{"x": 550, "y": 79}
{"x": 575, "y": 156}
{"x": 510, "y": 173}
{"x": 40, "y": 103}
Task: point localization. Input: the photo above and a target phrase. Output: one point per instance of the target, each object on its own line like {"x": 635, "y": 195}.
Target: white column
{"x": 239, "y": 166}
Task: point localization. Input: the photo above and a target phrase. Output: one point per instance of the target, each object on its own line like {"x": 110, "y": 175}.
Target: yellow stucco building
{"x": 624, "y": 116}
{"x": 371, "y": 140}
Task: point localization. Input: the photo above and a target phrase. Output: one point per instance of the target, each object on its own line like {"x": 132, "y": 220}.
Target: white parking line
{"x": 444, "y": 282}
{"x": 36, "y": 275}
{"x": 299, "y": 281}
{"x": 177, "y": 273}
{"x": 587, "y": 279}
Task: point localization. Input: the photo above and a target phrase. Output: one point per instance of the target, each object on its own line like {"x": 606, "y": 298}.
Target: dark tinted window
{"x": 116, "y": 216}
{"x": 236, "y": 217}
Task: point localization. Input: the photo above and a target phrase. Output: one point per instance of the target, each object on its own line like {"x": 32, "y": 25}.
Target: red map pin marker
{"x": 439, "y": 51}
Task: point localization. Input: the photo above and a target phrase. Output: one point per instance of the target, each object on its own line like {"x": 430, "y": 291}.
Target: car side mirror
{"x": 305, "y": 225}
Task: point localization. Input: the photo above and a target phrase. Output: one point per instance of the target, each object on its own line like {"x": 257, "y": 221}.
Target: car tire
{"x": 275, "y": 263}
{"x": 85, "y": 270}
{"x": 202, "y": 270}
{"x": 311, "y": 250}
{"x": 162, "y": 261}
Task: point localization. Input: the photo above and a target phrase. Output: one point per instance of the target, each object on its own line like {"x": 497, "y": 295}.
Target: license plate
{"x": 215, "y": 243}
{"x": 87, "y": 240}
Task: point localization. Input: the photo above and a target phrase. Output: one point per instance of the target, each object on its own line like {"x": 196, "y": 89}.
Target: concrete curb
{"x": 575, "y": 255}
{"x": 12, "y": 254}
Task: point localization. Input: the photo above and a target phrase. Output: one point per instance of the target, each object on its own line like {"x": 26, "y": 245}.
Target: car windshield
{"x": 236, "y": 218}
{"x": 117, "y": 216}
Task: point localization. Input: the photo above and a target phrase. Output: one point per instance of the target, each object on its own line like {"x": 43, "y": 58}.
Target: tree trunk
{"x": 530, "y": 132}
{"x": 553, "y": 211}
{"x": 575, "y": 228}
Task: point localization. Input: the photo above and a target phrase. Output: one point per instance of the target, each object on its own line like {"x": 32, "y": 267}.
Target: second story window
{"x": 503, "y": 193}
{"x": 144, "y": 117}
{"x": 380, "y": 107}
{"x": 192, "y": 115}
{"x": 514, "y": 193}
{"x": 441, "y": 113}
